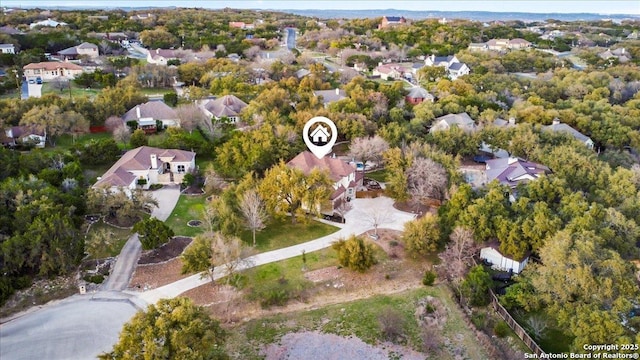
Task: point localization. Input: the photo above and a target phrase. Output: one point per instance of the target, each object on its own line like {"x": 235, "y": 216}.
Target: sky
{"x": 629, "y": 7}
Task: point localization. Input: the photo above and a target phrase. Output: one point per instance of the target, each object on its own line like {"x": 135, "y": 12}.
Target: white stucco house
{"x": 491, "y": 253}
{"x": 7, "y": 49}
{"x": 462, "y": 121}
{"x": 144, "y": 166}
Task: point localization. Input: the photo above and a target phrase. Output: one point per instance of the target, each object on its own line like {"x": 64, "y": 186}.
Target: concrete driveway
{"x": 358, "y": 220}
{"x": 167, "y": 198}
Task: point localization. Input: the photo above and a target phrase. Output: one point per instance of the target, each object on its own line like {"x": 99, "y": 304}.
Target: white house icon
{"x": 320, "y": 134}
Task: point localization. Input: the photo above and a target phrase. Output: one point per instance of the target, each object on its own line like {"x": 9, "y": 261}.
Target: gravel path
{"x": 318, "y": 346}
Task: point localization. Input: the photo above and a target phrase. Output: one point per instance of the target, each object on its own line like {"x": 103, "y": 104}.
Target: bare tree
{"x": 368, "y": 149}
{"x": 253, "y": 209}
{"x": 60, "y": 84}
{"x": 426, "y": 179}
{"x": 122, "y": 134}
{"x": 377, "y": 217}
{"x": 342, "y": 208}
{"x": 252, "y": 52}
{"x": 190, "y": 117}
{"x": 537, "y": 325}
{"x": 457, "y": 257}
{"x": 230, "y": 253}
{"x": 113, "y": 122}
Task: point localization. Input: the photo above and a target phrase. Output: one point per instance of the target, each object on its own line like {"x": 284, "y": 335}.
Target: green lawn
{"x": 66, "y": 141}
{"x": 189, "y": 207}
{"x": 281, "y": 233}
{"x": 156, "y": 91}
{"x": 378, "y": 175}
{"x": 554, "y": 340}
{"x": 108, "y": 247}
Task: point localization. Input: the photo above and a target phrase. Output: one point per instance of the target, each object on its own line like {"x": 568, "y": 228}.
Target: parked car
{"x": 481, "y": 159}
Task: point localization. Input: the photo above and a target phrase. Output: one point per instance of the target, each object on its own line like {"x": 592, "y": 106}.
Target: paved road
{"x": 75, "y": 328}
{"x": 358, "y": 221}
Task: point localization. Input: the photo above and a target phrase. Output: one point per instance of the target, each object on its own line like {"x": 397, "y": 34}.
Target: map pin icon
{"x": 320, "y": 138}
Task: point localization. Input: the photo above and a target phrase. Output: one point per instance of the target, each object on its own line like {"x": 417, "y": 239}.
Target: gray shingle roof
{"x": 226, "y": 106}
{"x": 157, "y": 110}
{"x": 564, "y": 128}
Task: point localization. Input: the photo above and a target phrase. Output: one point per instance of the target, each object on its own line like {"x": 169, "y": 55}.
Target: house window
{"x": 180, "y": 169}
{"x": 350, "y": 191}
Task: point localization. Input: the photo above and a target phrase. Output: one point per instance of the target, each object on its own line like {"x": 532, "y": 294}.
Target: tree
{"x": 198, "y": 257}
{"x": 421, "y": 236}
{"x": 171, "y": 329}
{"x": 54, "y": 121}
{"x": 476, "y": 285}
{"x": 355, "y": 253}
{"x": 113, "y": 122}
{"x": 377, "y": 217}
{"x": 138, "y": 138}
{"x": 457, "y": 256}
{"x": 220, "y": 214}
{"x": 153, "y": 233}
{"x": 191, "y": 117}
{"x": 122, "y": 134}
{"x": 287, "y": 190}
{"x": 253, "y": 209}
{"x": 426, "y": 179}
{"x": 368, "y": 149}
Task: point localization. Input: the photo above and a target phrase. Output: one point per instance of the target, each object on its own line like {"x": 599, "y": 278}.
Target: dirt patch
{"x": 193, "y": 190}
{"x": 315, "y": 345}
{"x": 151, "y": 276}
{"x": 416, "y": 208}
{"x": 39, "y": 293}
{"x": 166, "y": 252}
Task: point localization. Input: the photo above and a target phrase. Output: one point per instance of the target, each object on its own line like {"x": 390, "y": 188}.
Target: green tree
{"x": 138, "y": 138}
{"x": 198, "y": 257}
{"x": 170, "y": 329}
{"x": 476, "y": 285}
{"x": 152, "y": 233}
{"x": 422, "y": 236}
{"x": 355, "y": 253}
{"x": 286, "y": 190}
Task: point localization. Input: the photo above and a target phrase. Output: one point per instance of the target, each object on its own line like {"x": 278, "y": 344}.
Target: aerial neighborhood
{"x": 160, "y": 178}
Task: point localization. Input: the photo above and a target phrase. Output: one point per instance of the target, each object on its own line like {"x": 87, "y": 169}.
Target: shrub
{"x": 429, "y": 278}
{"x": 391, "y": 323}
{"x": 501, "y": 329}
{"x": 152, "y": 233}
{"x": 355, "y": 254}
{"x": 96, "y": 279}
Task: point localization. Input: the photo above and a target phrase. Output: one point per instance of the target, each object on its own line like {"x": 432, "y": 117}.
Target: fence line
{"x": 513, "y": 324}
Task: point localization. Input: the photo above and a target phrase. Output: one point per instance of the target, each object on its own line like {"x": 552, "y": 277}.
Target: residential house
{"x": 491, "y": 254}
{"x": 15, "y": 135}
{"x": 512, "y": 171}
{"x": 389, "y": 21}
{"x": 330, "y": 96}
{"x": 228, "y": 106}
{"x": 7, "y": 49}
{"x": 388, "y": 72}
{"x": 518, "y": 44}
{"x": 498, "y": 122}
{"x": 417, "y": 95}
{"x": 51, "y": 70}
{"x": 10, "y": 30}
{"x": 559, "y": 127}
{"x": 345, "y": 177}
{"x": 241, "y": 25}
{"x": 85, "y": 49}
{"x": 452, "y": 65}
{"x": 161, "y": 56}
{"x": 142, "y": 17}
{"x": 145, "y": 166}
{"x": 47, "y": 23}
{"x": 621, "y": 54}
{"x": 148, "y": 114}
{"x": 457, "y": 70}
{"x": 478, "y": 47}
{"x": 446, "y": 122}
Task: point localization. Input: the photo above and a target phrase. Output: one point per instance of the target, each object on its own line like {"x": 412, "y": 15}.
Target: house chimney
{"x": 512, "y": 160}
{"x": 556, "y": 121}
{"x": 138, "y": 111}
{"x": 154, "y": 161}
{"x": 512, "y": 121}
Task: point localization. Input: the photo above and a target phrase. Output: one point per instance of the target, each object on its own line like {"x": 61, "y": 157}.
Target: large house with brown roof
{"x": 228, "y": 106}
{"x": 389, "y": 21}
{"x": 147, "y": 115}
{"x": 345, "y": 177}
{"x": 51, "y": 70}
{"x": 161, "y": 56}
{"x": 145, "y": 166}
{"x": 75, "y": 52}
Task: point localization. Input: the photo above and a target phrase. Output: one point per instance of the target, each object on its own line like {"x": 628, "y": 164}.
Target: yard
{"x": 189, "y": 207}
{"x": 378, "y": 175}
{"x": 108, "y": 247}
{"x": 364, "y": 319}
{"x": 281, "y": 233}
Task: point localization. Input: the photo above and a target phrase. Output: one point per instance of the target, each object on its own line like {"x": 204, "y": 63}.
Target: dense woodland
{"x": 582, "y": 223}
